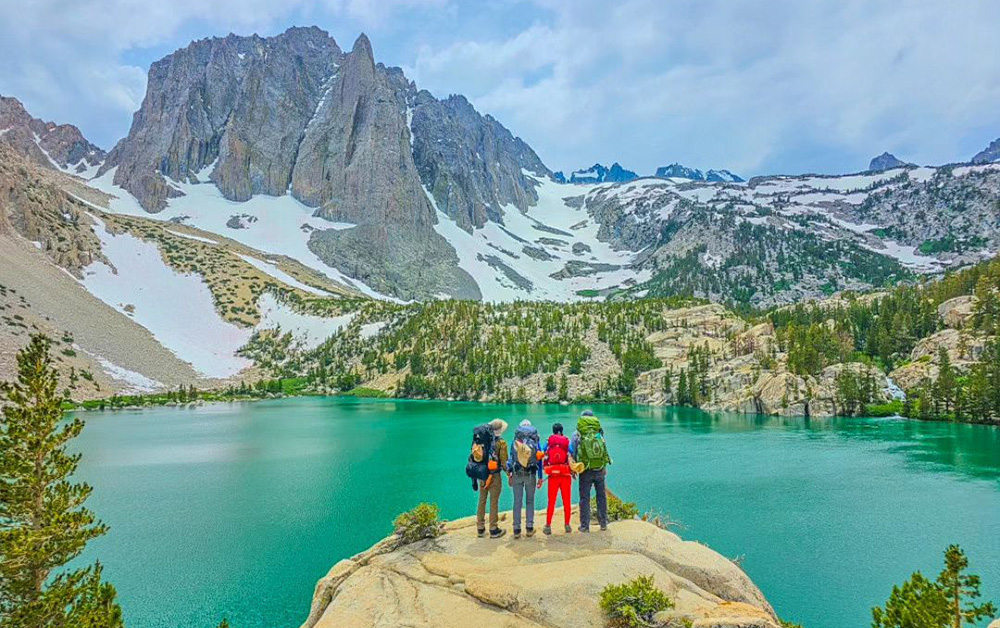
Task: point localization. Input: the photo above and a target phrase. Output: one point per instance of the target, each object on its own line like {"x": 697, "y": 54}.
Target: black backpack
{"x": 483, "y": 449}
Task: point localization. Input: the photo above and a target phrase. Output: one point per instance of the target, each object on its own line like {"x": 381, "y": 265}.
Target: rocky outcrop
{"x": 470, "y": 164}
{"x": 459, "y": 580}
{"x": 356, "y": 140}
{"x": 39, "y": 210}
{"x": 964, "y": 350}
{"x": 989, "y": 154}
{"x": 886, "y": 161}
{"x": 747, "y": 372}
{"x": 957, "y": 312}
{"x": 677, "y": 171}
{"x": 241, "y": 102}
{"x": 598, "y": 173}
{"x": 59, "y": 146}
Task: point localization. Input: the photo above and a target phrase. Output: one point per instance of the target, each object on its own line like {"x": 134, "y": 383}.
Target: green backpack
{"x": 592, "y": 452}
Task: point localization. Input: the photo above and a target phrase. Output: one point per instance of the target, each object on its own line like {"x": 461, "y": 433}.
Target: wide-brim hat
{"x": 499, "y": 426}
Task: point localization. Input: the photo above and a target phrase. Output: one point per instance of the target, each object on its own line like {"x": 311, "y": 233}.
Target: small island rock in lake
{"x": 458, "y": 580}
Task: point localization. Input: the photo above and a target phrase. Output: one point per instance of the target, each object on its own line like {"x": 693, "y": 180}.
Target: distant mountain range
{"x": 617, "y": 174}
{"x": 598, "y": 174}
{"x": 285, "y": 168}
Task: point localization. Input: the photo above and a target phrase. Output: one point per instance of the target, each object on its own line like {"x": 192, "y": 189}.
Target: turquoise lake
{"x": 237, "y": 510}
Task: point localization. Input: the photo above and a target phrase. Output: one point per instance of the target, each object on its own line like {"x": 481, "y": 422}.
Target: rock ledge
{"x": 459, "y": 580}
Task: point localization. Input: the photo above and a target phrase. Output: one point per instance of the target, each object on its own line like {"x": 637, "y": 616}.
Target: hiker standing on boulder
{"x": 492, "y": 486}
{"x": 560, "y": 477}
{"x": 588, "y": 449}
{"x": 524, "y": 472}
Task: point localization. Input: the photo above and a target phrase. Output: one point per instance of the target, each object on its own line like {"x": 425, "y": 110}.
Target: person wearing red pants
{"x": 560, "y": 477}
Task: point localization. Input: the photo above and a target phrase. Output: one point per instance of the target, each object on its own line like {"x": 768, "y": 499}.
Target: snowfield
{"x": 280, "y": 225}
{"x": 281, "y": 275}
{"x": 548, "y": 230}
{"x": 310, "y": 331}
{"x": 177, "y": 309}
{"x": 517, "y": 260}
{"x": 136, "y": 383}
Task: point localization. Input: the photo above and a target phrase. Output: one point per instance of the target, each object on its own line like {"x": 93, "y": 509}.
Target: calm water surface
{"x": 236, "y": 510}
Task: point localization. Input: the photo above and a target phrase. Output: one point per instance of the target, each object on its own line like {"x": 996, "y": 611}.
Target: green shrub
{"x": 423, "y": 522}
{"x": 365, "y": 393}
{"x": 618, "y": 510}
{"x": 891, "y": 408}
{"x": 633, "y": 604}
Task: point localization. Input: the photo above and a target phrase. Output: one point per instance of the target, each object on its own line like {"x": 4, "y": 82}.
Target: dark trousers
{"x": 593, "y": 478}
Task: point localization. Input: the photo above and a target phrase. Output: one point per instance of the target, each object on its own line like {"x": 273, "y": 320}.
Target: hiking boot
{"x": 517, "y": 533}
{"x": 604, "y": 527}
{"x": 496, "y": 534}
{"x": 569, "y": 528}
{"x": 547, "y": 530}
{"x": 530, "y": 533}
{"x": 583, "y": 529}
{"x": 481, "y": 532}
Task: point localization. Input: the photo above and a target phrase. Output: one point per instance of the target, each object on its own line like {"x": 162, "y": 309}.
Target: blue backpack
{"x": 524, "y": 454}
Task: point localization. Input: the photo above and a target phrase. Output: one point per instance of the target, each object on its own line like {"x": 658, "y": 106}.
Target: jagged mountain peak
{"x": 989, "y": 154}
{"x": 886, "y": 161}
{"x": 679, "y": 171}
{"x": 363, "y": 46}
{"x": 59, "y": 146}
{"x": 357, "y": 141}
{"x": 598, "y": 173}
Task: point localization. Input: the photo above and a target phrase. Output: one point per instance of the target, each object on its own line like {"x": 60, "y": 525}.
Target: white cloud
{"x": 753, "y": 86}
{"x": 747, "y": 85}
{"x": 64, "y": 58}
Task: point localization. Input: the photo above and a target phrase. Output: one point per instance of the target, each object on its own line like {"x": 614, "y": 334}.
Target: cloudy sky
{"x": 758, "y": 87}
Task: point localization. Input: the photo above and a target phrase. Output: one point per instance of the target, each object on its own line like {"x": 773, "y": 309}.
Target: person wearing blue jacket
{"x": 524, "y": 472}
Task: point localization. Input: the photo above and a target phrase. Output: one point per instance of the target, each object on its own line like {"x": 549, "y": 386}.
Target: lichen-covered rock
{"x": 458, "y": 580}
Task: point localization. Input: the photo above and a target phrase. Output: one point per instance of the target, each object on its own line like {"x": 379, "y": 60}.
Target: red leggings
{"x": 559, "y": 484}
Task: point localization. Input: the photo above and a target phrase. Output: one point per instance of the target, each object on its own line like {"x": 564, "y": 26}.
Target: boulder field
{"x": 458, "y": 580}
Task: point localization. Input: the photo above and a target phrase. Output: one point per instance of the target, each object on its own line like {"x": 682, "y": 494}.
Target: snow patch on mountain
{"x": 136, "y": 383}
{"x": 517, "y": 260}
{"x": 177, "y": 309}
{"x": 311, "y": 331}
{"x": 190, "y": 236}
{"x": 281, "y": 275}
{"x": 279, "y": 225}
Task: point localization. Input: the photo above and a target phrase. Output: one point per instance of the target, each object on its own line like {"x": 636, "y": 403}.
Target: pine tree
{"x": 682, "y": 388}
{"x": 43, "y": 522}
{"x": 922, "y": 603}
{"x": 945, "y": 386}
{"x": 957, "y": 586}
{"x": 919, "y": 603}
{"x": 563, "y": 388}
